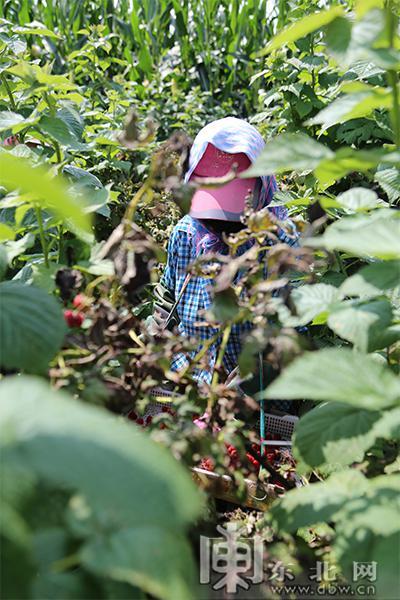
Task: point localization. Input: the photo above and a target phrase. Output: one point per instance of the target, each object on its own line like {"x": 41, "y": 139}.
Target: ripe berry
{"x": 72, "y": 318}
{"x": 132, "y": 415}
{"x": 139, "y": 421}
{"x": 149, "y": 419}
{"x": 207, "y": 464}
{"x": 80, "y": 301}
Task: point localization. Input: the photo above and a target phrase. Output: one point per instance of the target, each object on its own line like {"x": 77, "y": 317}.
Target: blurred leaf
{"x": 389, "y": 180}
{"x": 225, "y": 305}
{"x": 312, "y": 300}
{"x": 340, "y": 375}
{"x": 358, "y": 199}
{"x": 6, "y": 232}
{"x": 289, "y": 151}
{"x": 338, "y": 36}
{"x": 372, "y": 280}
{"x": 363, "y": 236}
{"x": 352, "y": 106}
{"x": 301, "y": 28}
{"x": 135, "y": 498}
{"x": 32, "y": 327}
{"x": 49, "y": 192}
{"x": 340, "y": 434}
{"x": 8, "y": 119}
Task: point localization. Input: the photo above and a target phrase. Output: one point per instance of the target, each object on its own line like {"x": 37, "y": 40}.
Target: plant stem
{"x": 9, "y": 92}
{"x": 42, "y": 236}
{"x": 220, "y": 357}
{"x": 60, "y": 241}
{"x": 391, "y": 24}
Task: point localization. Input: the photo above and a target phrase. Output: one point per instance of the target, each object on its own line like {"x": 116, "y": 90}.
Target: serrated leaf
{"x": 289, "y": 151}
{"x": 8, "y": 119}
{"x": 352, "y": 106}
{"x": 32, "y": 327}
{"x": 372, "y": 280}
{"x": 361, "y": 323}
{"x": 301, "y": 28}
{"x": 364, "y": 236}
{"x": 49, "y": 192}
{"x": 339, "y": 434}
{"x": 389, "y": 180}
{"x": 358, "y": 199}
{"x": 340, "y": 375}
{"x": 312, "y": 300}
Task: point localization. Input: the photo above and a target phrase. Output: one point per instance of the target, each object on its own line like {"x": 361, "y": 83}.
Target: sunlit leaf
{"x": 301, "y": 28}
{"x": 49, "y": 192}
{"x": 340, "y": 375}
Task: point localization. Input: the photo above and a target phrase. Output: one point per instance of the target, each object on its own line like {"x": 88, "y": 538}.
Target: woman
{"x": 219, "y": 147}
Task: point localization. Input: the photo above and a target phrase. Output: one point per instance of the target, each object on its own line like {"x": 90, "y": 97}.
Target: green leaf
{"x": 389, "y": 180}
{"x": 134, "y": 499}
{"x": 8, "y": 119}
{"x": 301, "y": 28}
{"x": 225, "y": 305}
{"x": 344, "y": 161}
{"x": 289, "y": 151}
{"x": 339, "y": 434}
{"x": 58, "y": 129}
{"x": 32, "y": 327}
{"x": 312, "y": 300}
{"x": 37, "y": 29}
{"x": 368, "y": 530}
{"x": 365, "y": 236}
{"x": 17, "y": 247}
{"x": 318, "y": 502}
{"x": 49, "y": 192}
{"x": 352, "y": 106}
{"x": 358, "y": 199}
{"x": 361, "y": 323}
{"x": 131, "y": 555}
{"x": 338, "y": 36}
{"x": 372, "y": 280}
{"x": 6, "y": 232}
{"x": 340, "y": 375}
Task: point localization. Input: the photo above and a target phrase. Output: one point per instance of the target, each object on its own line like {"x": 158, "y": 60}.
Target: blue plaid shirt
{"x": 183, "y": 248}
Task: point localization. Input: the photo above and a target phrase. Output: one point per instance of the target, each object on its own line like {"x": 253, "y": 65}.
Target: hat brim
{"x": 225, "y": 203}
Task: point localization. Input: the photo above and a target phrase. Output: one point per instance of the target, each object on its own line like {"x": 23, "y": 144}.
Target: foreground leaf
{"x": 363, "y": 236}
{"x": 135, "y": 498}
{"x": 289, "y": 151}
{"x": 340, "y": 375}
{"x": 49, "y": 192}
{"x": 32, "y": 327}
{"x": 339, "y": 434}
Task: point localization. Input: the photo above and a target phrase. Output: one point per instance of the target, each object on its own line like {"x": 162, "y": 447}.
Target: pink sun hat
{"x": 226, "y": 202}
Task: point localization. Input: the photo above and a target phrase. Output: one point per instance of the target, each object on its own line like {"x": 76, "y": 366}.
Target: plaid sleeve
{"x": 178, "y": 259}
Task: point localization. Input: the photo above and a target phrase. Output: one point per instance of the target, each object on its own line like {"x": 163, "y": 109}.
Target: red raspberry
{"x": 79, "y": 301}
{"x": 149, "y": 419}
{"x": 207, "y": 464}
{"x": 79, "y": 318}
{"x": 132, "y": 415}
{"x": 73, "y": 319}
{"x": 140, "y": 421}
{"x": 69, "y": 318}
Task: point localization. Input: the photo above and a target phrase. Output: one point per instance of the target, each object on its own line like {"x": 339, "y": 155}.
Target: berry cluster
{"x": 75, "y": 318}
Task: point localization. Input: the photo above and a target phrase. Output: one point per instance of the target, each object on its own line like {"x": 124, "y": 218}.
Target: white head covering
{"x": 229, "y": 135}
